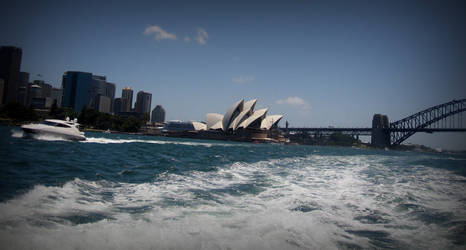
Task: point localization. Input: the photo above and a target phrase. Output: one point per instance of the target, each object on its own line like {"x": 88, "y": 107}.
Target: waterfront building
{"x": 158, "y": 114}
{"x": 85, "y": 89}
{"x": 241, "y": 116}
{"x": 23, "y": 88}
{"x": 143, "y": 102}
{"x": 103, "y": 103}
{"x": 76, "y": 86}
{"x": 126, "y": 99}
{"x": 35, "y": 99}
{"x": 117, "y": 106}
{"x": 10, "y": 62}
{"x": 182, "y": 126}
{"x": 57, "y": 95}
{"x": 46, "y": 88}
{"x": 101, "y": 94}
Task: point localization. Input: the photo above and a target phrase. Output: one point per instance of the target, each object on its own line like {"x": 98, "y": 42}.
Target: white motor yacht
{"x": 65, "y": 129}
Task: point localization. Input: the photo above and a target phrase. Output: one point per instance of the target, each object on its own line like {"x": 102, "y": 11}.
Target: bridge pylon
{"x": 380, "y": 134}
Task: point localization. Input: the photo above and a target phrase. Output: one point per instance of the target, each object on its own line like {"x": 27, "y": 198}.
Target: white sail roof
{"x": 199, "y": 126}
{"x": 212, "y": 119}
{"x": 239, "y": 118}
{"x": 231, "y": 114}
{"x": 248, "y": 110}
{"x": 218, "y": 125}
{"x": 270, "y": 120}
{"x": 259, "y": 114}
{"x": 249, "y": 105}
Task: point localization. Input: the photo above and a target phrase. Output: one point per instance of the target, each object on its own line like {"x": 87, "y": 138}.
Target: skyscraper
{"x": 23, "y": 88}
{"x": 76, "y": 86}
{"x": 57, "y": 95}
{"x": 158, "y": 114}
{"x": 126, "y": 99}
{"x": 117, "y": 106}
{"x": 143, "y": 102}
{"x": 101, "y": 94}
{"x": 10, "y": 62}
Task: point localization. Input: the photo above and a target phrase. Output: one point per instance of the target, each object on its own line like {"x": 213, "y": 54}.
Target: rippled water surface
{"x": 118, "y": 191}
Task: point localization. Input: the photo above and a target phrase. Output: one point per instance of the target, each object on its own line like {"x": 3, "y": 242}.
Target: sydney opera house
{"x": 240, "y": 123}
{"x": 242, "y": 116}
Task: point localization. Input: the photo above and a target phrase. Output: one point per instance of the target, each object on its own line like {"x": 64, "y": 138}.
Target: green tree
{"x": 131, "y": 124}
{"x": 17, "y": 112}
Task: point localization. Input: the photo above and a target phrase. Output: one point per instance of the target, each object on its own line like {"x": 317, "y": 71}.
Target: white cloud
{"x": 202, "y": 36}
{"x": 296, "y": 102}
{"x": 160, "y": 34}
{"x": 243, "y": 79}
{"x": 187, "y": 39}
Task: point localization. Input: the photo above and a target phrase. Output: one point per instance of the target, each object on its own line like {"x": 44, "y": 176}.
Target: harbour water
{"x": 117, "y": 191}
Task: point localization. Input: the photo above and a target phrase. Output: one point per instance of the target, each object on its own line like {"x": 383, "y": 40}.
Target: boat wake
{"x": 102, "y": 140}
{"x": 42, "y": 137}
{"x": 298, "y": 202}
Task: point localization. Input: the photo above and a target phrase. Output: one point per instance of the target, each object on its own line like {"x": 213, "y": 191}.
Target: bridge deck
{"x": 368, "y": 130}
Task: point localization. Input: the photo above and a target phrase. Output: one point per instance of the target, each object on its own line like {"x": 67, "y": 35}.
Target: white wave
{"x": 43, "y": 137}
{"x": 301, "y": 202}
{"x": 17, "y": 133}
{"x": 48, "y": 137}
{"x": 102, "y": 140}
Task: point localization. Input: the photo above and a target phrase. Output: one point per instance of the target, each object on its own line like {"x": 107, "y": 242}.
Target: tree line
{"x": 16, "y": 113}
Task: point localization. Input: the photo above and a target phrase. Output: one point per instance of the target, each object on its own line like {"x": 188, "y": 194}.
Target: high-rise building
{"x": 143, "y": 102}
{"x": 117, "y": 106}
{"x": 101, "y": 90}
{"x": 126, "y": 99}
{"x": 76, "y": 86}
{"x": 46, "y": 88}
{"x": 57, "y": 95}
{"x": 23, "y": 88}
{"x": 110, "y": 89}
{"x": 10, "y": 62}
{"x": 103, "y": 103}
{"x": 158, "y": 114}
{"x": 35, "y": 99}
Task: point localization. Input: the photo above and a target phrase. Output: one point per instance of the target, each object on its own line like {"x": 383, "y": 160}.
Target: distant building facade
{"x": 76, "y": 86}
{"x": 126, "y": 99}
{"x": 103, "y": 104}
{"x": 57, "y": 95}
{"x": 84, "y": 89}
{"x": 101, "y": 94}
{"x": 35, "y": 99}
{"x": 23, "y": 88}
{"x": 117, "y": 106}
{"x": 158, "y": 114}
{"x": 143, "y": 102}
{"x": 10, "y": 62}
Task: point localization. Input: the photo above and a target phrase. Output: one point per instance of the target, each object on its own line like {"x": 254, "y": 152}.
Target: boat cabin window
{"x": 49, "y": 123}
{"x": 63, "y": 125}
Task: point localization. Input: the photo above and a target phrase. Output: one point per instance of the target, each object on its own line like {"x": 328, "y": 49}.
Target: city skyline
{"x": 318, "y": 63}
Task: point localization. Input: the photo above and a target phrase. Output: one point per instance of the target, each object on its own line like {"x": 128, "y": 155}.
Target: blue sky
{"x": 320, "y": 63}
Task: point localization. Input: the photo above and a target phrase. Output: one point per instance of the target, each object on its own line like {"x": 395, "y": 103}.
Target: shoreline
{"x": 403, "y": 147}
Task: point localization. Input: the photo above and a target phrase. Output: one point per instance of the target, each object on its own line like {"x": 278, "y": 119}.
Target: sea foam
{"x": 316, "y": 201}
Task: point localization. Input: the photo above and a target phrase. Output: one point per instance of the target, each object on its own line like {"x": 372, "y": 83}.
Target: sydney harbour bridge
{"x": 446, "y": 117}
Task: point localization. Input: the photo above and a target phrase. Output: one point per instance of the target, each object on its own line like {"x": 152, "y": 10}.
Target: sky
{"x": 319, "y": 63}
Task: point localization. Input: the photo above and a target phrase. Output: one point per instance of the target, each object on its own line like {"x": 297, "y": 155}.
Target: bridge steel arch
{"x": 406, "y": 127}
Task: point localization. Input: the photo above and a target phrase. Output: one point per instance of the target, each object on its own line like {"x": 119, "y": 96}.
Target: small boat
{"x": 65, "y": 129}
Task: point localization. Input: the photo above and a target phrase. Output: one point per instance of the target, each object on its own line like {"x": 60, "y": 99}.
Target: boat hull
{"x": 31, "y": 131}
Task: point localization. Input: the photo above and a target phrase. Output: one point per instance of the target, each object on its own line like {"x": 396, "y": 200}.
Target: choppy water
{"x": 136, "y": 192}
